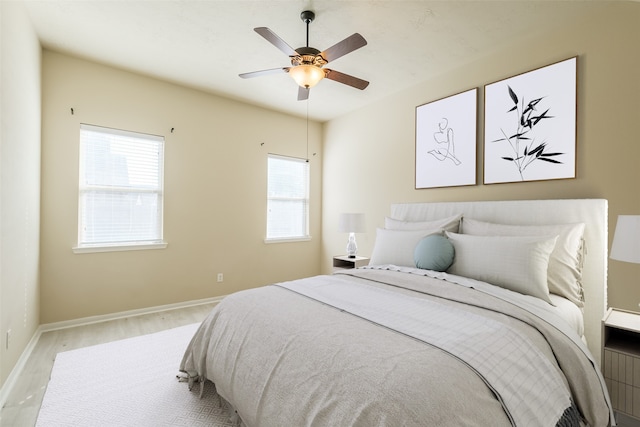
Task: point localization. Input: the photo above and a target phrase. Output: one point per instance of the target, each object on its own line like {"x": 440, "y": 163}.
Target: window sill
{"x": 118, "y": 248}
{"x": 288, "y": 239}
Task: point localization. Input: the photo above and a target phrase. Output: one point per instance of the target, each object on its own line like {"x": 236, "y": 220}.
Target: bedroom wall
{"x": 215, "y": 193}
{"x": 20, "y": 103}
{"x": 373, "y": 149}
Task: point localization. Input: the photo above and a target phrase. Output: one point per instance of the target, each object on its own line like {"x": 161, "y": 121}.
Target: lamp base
{"x": 352, "y": 247}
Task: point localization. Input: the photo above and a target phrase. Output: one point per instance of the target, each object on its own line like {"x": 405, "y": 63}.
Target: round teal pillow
{"x": 434, "y": 252}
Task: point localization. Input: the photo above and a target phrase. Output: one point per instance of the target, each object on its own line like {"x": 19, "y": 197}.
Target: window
{"x": 287, "y": 198}
{"x": 120, "y": 189}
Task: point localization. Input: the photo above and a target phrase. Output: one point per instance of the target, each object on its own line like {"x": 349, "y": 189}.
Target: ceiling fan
{"x": 307, "y": 62}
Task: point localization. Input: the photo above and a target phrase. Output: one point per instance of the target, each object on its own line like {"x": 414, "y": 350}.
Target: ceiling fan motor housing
{"x": 308, "y": 56}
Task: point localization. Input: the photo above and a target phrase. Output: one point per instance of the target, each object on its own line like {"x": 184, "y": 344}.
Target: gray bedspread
{"x": 284, "y": 359}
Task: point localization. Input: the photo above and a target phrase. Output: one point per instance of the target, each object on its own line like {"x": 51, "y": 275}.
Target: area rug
{"x": 131, "y": 382}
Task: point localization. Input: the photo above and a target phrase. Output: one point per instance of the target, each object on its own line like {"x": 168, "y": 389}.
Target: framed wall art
{"x": 530, "y": 125}
{"x": 446, "y": 141}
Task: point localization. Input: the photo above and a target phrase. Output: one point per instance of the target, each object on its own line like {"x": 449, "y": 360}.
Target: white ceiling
{"x": 205, "y": 44}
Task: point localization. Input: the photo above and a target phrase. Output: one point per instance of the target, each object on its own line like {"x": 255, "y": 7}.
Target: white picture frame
{"x": 446, "y": 141}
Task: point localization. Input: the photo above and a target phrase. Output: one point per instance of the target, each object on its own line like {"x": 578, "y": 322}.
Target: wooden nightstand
{"x": 621, "y": 360}
{"x": 343, "y": 261}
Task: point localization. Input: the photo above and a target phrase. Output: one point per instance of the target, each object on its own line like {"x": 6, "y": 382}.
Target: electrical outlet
{"x": 220, "y": 277}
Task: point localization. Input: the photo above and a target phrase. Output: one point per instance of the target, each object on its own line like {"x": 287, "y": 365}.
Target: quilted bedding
{"x": 378, "y": 347}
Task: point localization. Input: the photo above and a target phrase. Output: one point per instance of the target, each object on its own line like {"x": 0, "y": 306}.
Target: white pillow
{"x": 515, "y": 263}
{"x": 447, "y": 224}
{"x": 396, "y": 246}
{"x": 564, "y": 274}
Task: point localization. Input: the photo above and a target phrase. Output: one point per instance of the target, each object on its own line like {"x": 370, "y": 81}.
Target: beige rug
{"x": 130, "y": 382}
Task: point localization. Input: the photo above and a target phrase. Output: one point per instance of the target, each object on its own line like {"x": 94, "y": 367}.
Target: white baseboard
{"x": 122, "y": 314}
{"x": 18, "y": 368}
{"x": 20, "y": 364}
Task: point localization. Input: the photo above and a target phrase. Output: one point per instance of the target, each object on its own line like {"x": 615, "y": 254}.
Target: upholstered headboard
{"x": 592, "y": 212}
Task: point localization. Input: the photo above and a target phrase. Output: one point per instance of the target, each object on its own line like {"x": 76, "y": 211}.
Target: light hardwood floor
{"x": 625, "y": 421}
{"x": 24, "y": 400}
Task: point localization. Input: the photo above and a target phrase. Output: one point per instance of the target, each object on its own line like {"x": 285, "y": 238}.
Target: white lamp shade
{"x": 626, "y": 240}
{"x": 306, "y": 76}
{"x": 351, "y": 223}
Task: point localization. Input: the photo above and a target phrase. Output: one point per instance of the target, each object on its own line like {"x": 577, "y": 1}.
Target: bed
{"x": 469, "y": 314}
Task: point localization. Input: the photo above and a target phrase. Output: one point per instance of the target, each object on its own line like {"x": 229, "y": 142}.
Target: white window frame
{"x": 85, "y": 189}
{"x": 271, "y": 236}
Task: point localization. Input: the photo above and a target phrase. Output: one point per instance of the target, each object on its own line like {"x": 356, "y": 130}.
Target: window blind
{"x": 287, "y": 198}
{"x": 120, "y": 187}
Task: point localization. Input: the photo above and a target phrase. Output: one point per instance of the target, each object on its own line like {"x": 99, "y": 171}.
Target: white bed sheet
{"x": 569, "y": 312}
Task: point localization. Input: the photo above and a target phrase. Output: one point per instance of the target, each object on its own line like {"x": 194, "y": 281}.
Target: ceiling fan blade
{"x": 346, "y": 79}
{"x": 303, "y": 93}
{"x": 264, "y": 72}
{"x": 273, "y": 38}
{"x": 351, "y": 43}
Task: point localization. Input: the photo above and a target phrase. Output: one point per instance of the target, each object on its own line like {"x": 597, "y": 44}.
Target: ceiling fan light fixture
{"x": 306, "y": 76}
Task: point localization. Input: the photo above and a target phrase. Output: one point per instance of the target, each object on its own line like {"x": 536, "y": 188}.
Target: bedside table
{"x": 621, "y": 360}
{"x": 343, "y": 261}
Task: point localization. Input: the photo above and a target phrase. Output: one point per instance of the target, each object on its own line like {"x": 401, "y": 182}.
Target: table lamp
{"x": 351, "y": 223}
{"x": 626, "y": 239}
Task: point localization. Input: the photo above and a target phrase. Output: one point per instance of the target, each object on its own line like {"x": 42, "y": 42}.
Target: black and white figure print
{"x": 445, "y": 148}
{"x": 530, "y": 125}
{"x": 446, "y": 141}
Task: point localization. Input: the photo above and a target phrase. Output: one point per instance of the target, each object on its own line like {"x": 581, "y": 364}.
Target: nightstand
{"x": 621, "y": 360}
{"x": 343, "y": 261}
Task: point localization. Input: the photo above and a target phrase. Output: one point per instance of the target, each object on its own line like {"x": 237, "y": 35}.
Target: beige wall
{"x": 371, "y": 152}
{"x": 19, "y": 182}
{"x": 215, "y": 193}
